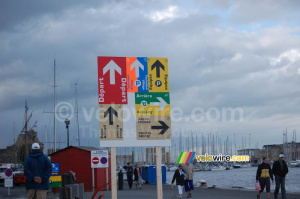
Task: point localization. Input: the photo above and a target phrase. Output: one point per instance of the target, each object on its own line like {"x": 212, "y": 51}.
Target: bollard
{"x": 120, "y": 176}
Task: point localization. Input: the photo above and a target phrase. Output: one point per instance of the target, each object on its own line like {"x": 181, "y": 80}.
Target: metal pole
{"x": 68, "y": 136}
{"x": 26, "y": 147}
{"x": 54, "y": 104}
{"x": 77, "y": 113}
{"x": 8, "y": 191}
{"x": 93, "y": 178}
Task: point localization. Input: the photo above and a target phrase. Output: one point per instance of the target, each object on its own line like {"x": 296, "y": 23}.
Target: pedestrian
{"x": 188, "y": 182}
{"x": 37, "y": 170}
{"x": 179, "y": 176}
{"x": 280, "y": 170}
{"x": 129, "y": 170}
{"x": 138, "y": 176}
{"x": 263, "y": 175}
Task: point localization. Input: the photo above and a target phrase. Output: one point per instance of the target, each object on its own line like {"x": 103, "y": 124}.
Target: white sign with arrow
{"x": 112, "y": 67}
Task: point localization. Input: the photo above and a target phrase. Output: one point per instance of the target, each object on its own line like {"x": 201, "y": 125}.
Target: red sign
{"x": 8, "y": 173}
{"x": 112, "y": 81}
{"x": 95, "y": 160}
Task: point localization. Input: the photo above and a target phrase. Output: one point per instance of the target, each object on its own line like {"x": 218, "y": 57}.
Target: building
{"x": 290, "y": 150}
{"x": 16, "y": 152}
{"x": 78, "y": 160}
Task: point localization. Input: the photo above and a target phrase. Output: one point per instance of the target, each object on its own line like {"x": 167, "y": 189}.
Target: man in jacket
{"x": 129, "y": 170}
{"x": 188, "y": 182}
{"x": 37, "y": 170}
{"x": 263, "y": 175}
{"x": 280, "y": 170}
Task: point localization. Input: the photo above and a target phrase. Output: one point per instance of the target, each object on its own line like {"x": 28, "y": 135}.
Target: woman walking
{"x": 138, "y": 176}
{"x": 179, "y": 176}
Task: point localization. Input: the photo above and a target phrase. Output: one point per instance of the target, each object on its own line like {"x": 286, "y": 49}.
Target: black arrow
{"x": 111, "y": 113}
{"x": 158, "y": 65}
{"x": 163, "y": 126}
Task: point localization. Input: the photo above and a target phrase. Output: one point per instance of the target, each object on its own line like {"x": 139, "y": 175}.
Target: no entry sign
{"x": 99, "y": 159}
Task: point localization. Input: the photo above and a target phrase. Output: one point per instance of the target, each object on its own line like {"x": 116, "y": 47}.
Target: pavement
{"x": 149, "y": 192}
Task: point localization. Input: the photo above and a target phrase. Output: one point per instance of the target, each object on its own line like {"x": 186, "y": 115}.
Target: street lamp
{"x": 67, "y": 127}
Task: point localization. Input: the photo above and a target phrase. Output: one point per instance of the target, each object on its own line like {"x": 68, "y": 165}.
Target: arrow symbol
{"x": 111, "y": 113}
{"x": 162, "y": 103}
{"x": 112, "y": 67}
{"x": 158, "y": 65}
{"x": 137, "y": 65}
{"x": 163, "y": 126}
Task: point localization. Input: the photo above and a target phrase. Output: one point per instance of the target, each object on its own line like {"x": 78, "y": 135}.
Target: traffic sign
{"x": 137, "y": 74}
{"x": 152, "y": 104}
{"x": 95, "y": 160}
{"x": 99, "y": 159}
{"x": 158, "y": 74}
{"x": 8, "y": 173}
{"x": 112, "y": 82}
{"x": 8, "y": 182}
{"x": 111, "y": 121}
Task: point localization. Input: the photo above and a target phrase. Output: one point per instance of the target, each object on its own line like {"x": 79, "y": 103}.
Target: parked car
{"x": 19, "y": 178}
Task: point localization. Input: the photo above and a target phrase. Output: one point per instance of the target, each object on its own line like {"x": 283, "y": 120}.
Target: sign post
{"x": 158, "y": 173}
{"x": 140, "y": 84}
{"x": 99, "y": 159}
{"x": 113, "y": 173}
{"x": 8, "y": 173}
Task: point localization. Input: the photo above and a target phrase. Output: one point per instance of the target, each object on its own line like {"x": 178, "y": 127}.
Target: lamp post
{"x": 67, "y": 127}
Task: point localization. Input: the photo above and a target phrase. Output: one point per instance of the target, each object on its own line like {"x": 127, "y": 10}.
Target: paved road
{"x": 149, "y": 192}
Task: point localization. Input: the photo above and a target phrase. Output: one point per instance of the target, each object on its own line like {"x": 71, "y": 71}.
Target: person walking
{"x": 129, "y": 170}
{"x": 188, "y": 182}
{"x": 263, "y": 175}
{"x": 179, "y": 176}
{"x": 37, "y": 170}
{"x": 138, "y": 176}
{"x": 280, "y": 170}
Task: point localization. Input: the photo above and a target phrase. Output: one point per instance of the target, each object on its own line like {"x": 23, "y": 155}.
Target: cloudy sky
{"x": 222, "y": 54}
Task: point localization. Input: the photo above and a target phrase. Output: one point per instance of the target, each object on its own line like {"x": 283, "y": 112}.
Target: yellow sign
{"x": 111, "y": 121}
{"x": 158, "y": 74}
{"x": 55, "y": 178}
{"x": 153, "y": 128}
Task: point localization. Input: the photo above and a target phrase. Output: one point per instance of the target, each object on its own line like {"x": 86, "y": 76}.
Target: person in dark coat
{"x": 280, "y": 170}
{"x": 263, "y": 175}
{"x": 179, "y": 176}
{"x": 138, "y": 176}
{"x": 37, "y": 170}
{"x": 129, "y": 170}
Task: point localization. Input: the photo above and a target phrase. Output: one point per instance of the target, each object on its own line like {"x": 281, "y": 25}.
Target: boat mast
{"x": 54, "y": 104}
{"x": 76, "y": 102}
{"x": 26, "y": 147}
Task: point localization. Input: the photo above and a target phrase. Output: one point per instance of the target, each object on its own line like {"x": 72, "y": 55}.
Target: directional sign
{"x": 158, "y": 74}
{"x": 153, "y": 128}
{"x": 111, "y": 121}
{"x": 137, "y": 74}
{"x": 112, "y": 82}
{"x": 152, "y": 104}
{"x": 99, "y": 159}
{"x": 134, "y": 102}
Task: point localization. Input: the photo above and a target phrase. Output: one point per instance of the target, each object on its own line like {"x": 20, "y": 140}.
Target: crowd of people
{"x": 38, "y": 168}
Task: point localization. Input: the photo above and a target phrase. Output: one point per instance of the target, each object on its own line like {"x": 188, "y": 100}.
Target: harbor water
{"x": 243, "y": 177}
